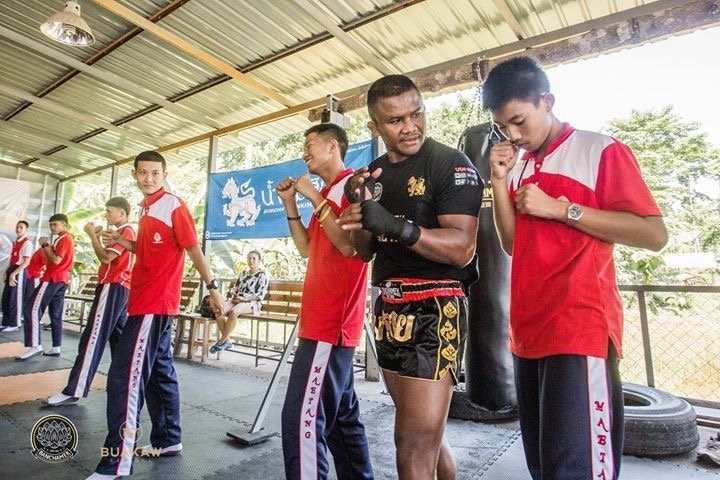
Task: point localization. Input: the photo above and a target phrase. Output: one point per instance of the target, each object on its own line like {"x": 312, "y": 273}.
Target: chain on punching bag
{"x": 489, "y": 384}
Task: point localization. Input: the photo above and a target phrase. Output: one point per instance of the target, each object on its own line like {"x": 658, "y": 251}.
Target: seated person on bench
{"x": 245, "y": 298}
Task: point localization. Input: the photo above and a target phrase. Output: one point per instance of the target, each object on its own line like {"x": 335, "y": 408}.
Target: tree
{"x": 448, "y": 121}
{"x": 673, "y": 157}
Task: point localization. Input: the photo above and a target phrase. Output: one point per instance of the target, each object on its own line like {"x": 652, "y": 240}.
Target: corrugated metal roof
{"x": 307, "y": 63}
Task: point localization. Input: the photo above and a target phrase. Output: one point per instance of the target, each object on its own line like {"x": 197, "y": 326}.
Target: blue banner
{"x": 244, "y": 204}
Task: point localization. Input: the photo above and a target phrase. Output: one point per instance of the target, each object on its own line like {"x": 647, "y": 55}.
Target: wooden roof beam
{"x": 36, "y": 132}
{"x": 361, "y": 50}
{"x": 77, "y": 115}
{"x": 167, "y": 9}
{"x": 194, "y": 51}
{"x": 639, "y": 25}
{"x": 509, "y": 18}
{"x": 647, "y": 23}
{"x": 109, "y": 78}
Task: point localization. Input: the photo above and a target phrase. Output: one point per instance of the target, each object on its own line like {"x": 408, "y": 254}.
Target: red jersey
{"x": 564, "y": 295}
{"x": 120, "y": 269}
{"x": 21, "y": 249}
{"x": 63, "y": 246}
{"x": 165, "y": 230}
{"x": 37, "y": 264}
{"x": 333, "y": 300}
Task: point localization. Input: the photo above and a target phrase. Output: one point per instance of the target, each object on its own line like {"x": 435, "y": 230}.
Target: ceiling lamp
{"x": 68, "y": 27}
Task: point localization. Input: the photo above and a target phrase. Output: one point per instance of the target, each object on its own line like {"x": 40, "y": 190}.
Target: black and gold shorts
{"x": 420, "y": 327}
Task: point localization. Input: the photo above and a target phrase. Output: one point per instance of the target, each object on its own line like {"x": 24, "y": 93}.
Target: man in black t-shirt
{"x": 421, "y": 224}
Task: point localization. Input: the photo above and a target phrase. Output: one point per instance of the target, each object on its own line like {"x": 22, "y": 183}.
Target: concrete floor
{"x": 224, "y": 395}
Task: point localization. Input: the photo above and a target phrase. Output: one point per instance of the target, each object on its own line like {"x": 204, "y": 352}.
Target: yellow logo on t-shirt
{"x": 416, "y": 186}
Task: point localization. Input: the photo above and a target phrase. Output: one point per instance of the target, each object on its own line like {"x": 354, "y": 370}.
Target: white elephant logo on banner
{"x": 241, "y": 211}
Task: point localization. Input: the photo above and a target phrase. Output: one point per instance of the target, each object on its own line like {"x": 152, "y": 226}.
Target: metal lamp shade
{"x": 68, "y": 27}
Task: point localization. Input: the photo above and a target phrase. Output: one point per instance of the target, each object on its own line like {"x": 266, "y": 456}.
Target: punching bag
{"x": 489, "y": 378}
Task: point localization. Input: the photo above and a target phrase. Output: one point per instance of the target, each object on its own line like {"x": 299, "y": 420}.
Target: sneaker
{"x": 61, "y": 399}
{"x": 215, "y": 348}
{"x": 226, "y": 346}
{"x": 100, "y": 476}
{"x": 711, "y": 451}
{"x": 10, "y": 329}
{"x": 53, "y": 352}
{"x": 171, "y": 451}
{"x": 29, "y": 353}
{"x": 47, "y": 326}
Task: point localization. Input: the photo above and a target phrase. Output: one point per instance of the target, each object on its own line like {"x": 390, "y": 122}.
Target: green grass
{"x": 685, "y": 344}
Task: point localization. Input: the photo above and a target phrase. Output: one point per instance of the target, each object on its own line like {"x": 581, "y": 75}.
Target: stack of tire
{"x": 657, "y": 423}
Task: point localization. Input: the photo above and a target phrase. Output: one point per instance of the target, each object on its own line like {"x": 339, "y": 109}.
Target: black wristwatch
{"x": 43, "y": 245}
{"x": 213, "y": 285}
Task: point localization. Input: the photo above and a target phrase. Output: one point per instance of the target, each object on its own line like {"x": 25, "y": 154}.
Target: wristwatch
{"x": 45, "y": 244}
{"x": 213, "y": 285}
{"x": 574, "y": 214}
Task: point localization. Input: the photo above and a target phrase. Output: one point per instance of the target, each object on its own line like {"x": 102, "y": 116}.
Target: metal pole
{"x": 211, "y": 168}
{"x": 59, "y": 195}
{"x": 647, "y": 353}
{"x": 372, "y": 368}
{"x": 114, "y": 180}
{"x": 42, "y": 204}
{"x": 270, "y": 392}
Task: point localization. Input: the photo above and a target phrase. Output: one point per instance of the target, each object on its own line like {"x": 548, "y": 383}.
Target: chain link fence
{"x": 672, "y": 339}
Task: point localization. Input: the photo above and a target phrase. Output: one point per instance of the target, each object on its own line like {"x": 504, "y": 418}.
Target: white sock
{"x": 31, "y": 351}
{"x": 53, "y": 350}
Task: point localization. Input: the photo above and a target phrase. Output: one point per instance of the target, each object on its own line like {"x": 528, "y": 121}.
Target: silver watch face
{"x": 574, "y": 212}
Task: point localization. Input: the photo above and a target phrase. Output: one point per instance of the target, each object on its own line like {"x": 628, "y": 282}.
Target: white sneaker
{"x": 11, "y": 329}
{"x": 711, "y": 451}
{"x": 29, "y": 353}
{"x": 53, "y": 352}
{"x": 171, "y": 451}
{"x": 100, "y": 476}
{"x": 61, "y": 399}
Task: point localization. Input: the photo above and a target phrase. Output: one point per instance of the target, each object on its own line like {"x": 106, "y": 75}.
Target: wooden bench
{"x": 191, "y": 329}
{"x": 281, "y": 306}
{"x": 84, "y": 296}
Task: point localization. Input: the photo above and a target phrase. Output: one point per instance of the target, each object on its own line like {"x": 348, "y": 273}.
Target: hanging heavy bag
{"x": 489, "y": 375}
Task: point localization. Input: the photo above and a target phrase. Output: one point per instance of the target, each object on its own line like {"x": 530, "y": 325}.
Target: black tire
{"x": 657, "y": 423}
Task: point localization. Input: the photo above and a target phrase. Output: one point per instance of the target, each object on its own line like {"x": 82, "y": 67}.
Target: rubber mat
{"x": 32, "y": 386}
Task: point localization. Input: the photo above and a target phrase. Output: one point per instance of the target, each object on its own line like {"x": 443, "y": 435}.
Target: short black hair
{"x": 59, "y": 217}
{"x": 388, "y": 86}
{"x": 27, "y": 225}
{"x": 519, "y": 78}
{"x": 149, "y": 156}
{"x": 119, "y": 202}
{"x": 334, "y": 131}
{"x": 256, "y": 253}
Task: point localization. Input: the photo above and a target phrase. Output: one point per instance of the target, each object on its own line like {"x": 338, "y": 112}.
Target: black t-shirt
{"x": 438, "y": 180}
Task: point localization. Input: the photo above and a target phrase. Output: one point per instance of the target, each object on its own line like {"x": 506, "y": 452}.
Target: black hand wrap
{"x": 369, "y": 183}
{"x": 376, "y": 219}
